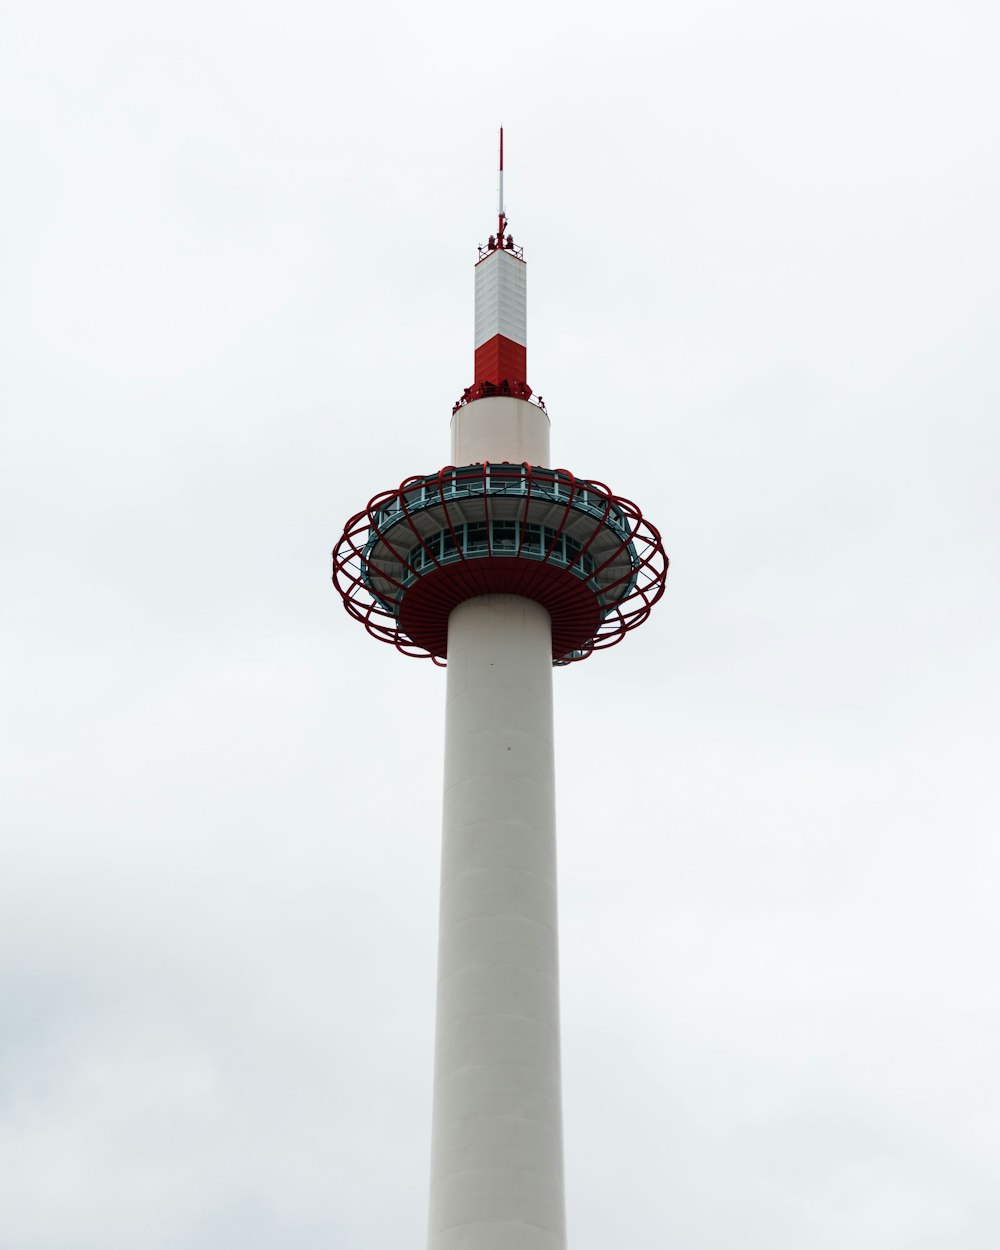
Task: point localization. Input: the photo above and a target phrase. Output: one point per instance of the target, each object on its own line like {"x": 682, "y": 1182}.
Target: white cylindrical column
{"x": 500, "y": 428}
{"x": 497, "y": 1159}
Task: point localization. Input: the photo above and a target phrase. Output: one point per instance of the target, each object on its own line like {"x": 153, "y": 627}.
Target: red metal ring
{"x": 581, "y": 624}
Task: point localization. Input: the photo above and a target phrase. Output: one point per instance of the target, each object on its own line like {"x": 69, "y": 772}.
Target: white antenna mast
{"x": 502, "y": 216}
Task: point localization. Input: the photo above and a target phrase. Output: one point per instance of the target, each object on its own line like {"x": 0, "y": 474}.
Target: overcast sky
{"x": 237, "y": 246}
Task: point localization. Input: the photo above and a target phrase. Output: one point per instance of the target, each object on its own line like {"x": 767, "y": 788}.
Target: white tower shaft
{"x": 497, "y": 1165}
{"x": 496, "y": 1150}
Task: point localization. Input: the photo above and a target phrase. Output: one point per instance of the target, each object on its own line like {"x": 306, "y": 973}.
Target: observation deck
{"x": 587, "y": 556}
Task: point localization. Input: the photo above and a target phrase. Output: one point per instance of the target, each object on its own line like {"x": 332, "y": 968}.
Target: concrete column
{"x": 497, "y": 1159}
{"x": 500, "y": 428}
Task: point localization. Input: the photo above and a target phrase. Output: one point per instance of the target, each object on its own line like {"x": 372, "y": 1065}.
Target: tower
{"x": 501, "y": 567}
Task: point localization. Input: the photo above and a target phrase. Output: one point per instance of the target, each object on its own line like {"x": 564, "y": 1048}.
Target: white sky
{"x": 763, "y": 257}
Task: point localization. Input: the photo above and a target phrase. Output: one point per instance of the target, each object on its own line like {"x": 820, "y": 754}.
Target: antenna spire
{"x": 502, "y": 224}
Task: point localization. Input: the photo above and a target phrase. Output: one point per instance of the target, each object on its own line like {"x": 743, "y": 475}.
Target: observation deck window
{"x": 504, "y": 535}
{"x": 477, "y": 536}
{"x": 500, "y": 538}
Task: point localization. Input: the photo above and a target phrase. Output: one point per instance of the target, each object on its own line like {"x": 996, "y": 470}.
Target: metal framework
{"x": 486, "y": 390}
{"x": 585, "y": 554}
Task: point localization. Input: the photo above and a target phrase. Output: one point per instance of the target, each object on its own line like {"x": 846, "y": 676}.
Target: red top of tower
{"x": 501, "y": 341}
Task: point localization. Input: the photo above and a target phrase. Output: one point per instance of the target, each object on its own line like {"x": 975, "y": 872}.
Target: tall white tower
{"x": 501, "y": 567}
